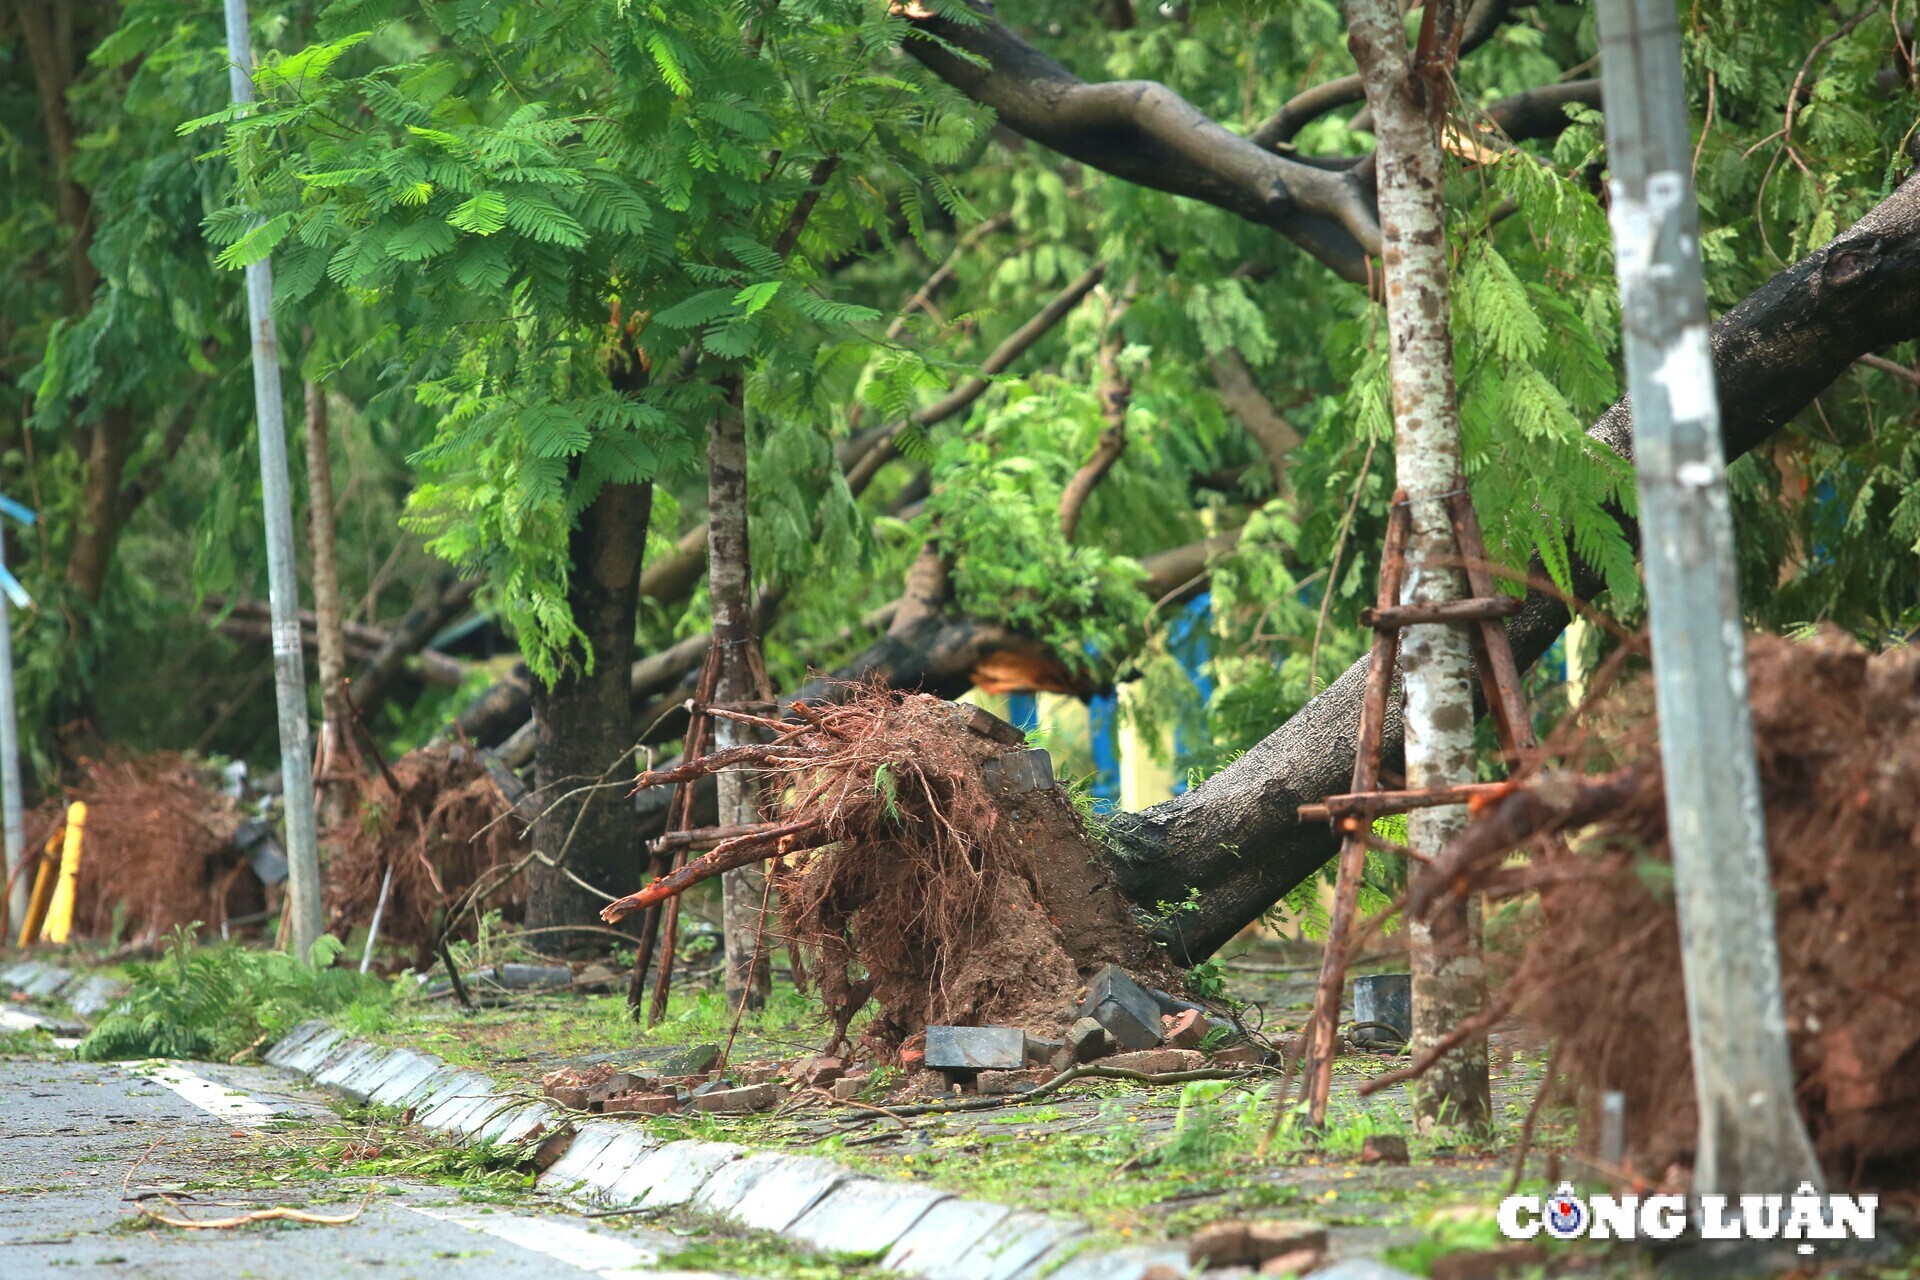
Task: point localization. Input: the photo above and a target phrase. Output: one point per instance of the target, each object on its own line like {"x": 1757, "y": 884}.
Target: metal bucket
{"x": 1386, "y": 999}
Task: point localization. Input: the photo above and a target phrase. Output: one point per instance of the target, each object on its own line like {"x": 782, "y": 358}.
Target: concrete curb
{"x": 812, "y": 1202}
{"x": 88, "y": 995}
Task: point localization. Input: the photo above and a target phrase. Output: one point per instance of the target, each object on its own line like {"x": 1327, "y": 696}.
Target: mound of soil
{"x": 447, "y": 827}
{"x": 1838, "y": 739}
{"x": 157, "y": 853}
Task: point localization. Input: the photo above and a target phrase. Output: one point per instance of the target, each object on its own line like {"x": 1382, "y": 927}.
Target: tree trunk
{"x": 741, "y": 679}
{"x": 337, "y": 756}
{"x": 583, "y": 730}
{"x": 1408, "y": 94}
{"x": 108, "y": 443}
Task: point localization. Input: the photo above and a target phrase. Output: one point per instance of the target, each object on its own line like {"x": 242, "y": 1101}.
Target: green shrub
{"x": 218, "y": 1001}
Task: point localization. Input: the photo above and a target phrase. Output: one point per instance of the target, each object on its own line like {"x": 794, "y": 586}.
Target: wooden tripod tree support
{"x": 1352, "y": 814}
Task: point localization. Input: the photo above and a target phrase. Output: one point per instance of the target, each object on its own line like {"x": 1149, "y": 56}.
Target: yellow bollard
{"x": 60, "y": 914}
{"x": 45, "y": 872}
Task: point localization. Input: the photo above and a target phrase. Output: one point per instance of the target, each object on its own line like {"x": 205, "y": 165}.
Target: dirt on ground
{"x": 446, "y": 828}
{"x": 945, "y": 900}
{"x": 1838, "y": 739}
{"x": 158, "y": 849}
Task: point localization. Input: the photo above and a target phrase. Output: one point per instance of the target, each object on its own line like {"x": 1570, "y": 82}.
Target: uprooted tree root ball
{"x": 904, "y": 876}
{"x": 1838, "y": 740}
{"x": 441, "y": 833}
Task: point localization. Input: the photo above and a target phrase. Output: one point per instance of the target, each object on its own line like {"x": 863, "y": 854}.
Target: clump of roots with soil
{"x": 1837, "y": 734}
{"x": 903, "y": 874}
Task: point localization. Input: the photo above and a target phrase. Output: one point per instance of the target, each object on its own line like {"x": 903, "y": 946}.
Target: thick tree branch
{"x": 1116, "y": 392}
{"x": 1272, "y": 433}
{"x": 1301, "y": 110}
{"x": 1236, "y": 839}
{"x": 1144, "y": 132}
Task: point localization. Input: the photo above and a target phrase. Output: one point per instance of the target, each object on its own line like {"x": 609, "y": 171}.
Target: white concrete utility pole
{"x": 283, "y": 582}
{"x": 1751, "y": 1138}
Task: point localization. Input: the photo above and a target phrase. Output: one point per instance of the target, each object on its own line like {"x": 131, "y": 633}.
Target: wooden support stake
{"x": 1371, "y": 804}
{"x": 1318, "y": 1041}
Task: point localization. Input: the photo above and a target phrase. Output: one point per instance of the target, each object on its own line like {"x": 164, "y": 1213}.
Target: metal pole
{"x": 10, "y": 764}
{"x": 1751, "y": 1138}
{"x": 283, "y": 583}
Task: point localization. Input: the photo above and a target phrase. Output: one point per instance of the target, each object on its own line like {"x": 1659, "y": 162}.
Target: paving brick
{"x": 1156, "y": 1062}
{"x": 976, "y": 1048}
{"x": 284, "y": 1048}
{"x": 1183, "y": 1030}
{"x": 1019, "y": 772}
{"x": 985, "y": 724}
{"x": 646, "y": 1104}
{"x": 1003, "y": 1082}
{"x": 1238, "y": 1055}
{"x": 753, "y": 1097}
{"x": 1087, "y": 1040}
{"x": 863, "y": 1215}
{"x": 1123, "y": 1007}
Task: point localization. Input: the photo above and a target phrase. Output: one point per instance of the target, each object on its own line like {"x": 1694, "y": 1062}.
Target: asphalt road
{"x": 84, "y": 1147}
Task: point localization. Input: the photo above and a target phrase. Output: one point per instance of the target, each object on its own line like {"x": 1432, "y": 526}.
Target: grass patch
{"x": 725, "y": 1249}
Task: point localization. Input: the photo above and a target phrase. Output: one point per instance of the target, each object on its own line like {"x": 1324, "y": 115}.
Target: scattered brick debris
{"x": 1183, "y": 1030}
{"x": 1156, "y": 1062}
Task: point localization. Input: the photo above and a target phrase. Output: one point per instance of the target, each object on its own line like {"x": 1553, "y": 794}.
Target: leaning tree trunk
{"x": 583, "y": 728}
{"x": 1408, "y": 93}
{"x": 741, "y": 678}
{"x": 337, "y": 757}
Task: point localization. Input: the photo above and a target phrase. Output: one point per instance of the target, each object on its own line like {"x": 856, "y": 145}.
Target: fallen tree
{"x": 1237, "y": 838}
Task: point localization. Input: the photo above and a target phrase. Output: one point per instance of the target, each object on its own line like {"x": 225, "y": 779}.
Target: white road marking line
{"x": 214, "y": 1099}
{"x": 601, "y": 1255}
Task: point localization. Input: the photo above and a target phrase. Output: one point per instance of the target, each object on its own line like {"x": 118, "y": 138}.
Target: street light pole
{"x": 1751, "y": 1139}
{"x": 283, "y": 583}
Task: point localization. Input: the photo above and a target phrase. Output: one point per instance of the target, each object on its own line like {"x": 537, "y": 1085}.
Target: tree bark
{"x": 1408, "y": 93}
{"x": 741, "y": 679}
{"x": 337, "y": 757}
{"x": 109, "y": 441}
{"x": 1237, "y": 837}
{"x": 583, "y": 732}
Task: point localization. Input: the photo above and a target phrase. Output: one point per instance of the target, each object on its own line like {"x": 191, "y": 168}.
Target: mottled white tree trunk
{"x": 1408, "y": 90}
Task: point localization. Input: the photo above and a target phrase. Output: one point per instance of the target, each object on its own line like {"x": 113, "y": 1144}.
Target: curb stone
{"x": 807, "y": 1200}
{"x": 86, "y": 994}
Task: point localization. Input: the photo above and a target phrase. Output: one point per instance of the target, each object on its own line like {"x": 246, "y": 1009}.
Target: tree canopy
{"x": 1042, "y": 319}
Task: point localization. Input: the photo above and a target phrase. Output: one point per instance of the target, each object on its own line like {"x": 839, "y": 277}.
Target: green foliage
{"x": 222, "y": 1000}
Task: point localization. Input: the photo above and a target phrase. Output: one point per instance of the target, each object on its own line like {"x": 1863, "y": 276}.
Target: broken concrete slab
{"x": 769, "y": 1191}
{"x": 1019, "y": 772}
{"x": 1013, "y": 1248}
{"x": 1123, "y": 1007}
{"x": 944, "y": 1233}
{"x": 864, "y": 1216}
{"x": 976, "y": 1048}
